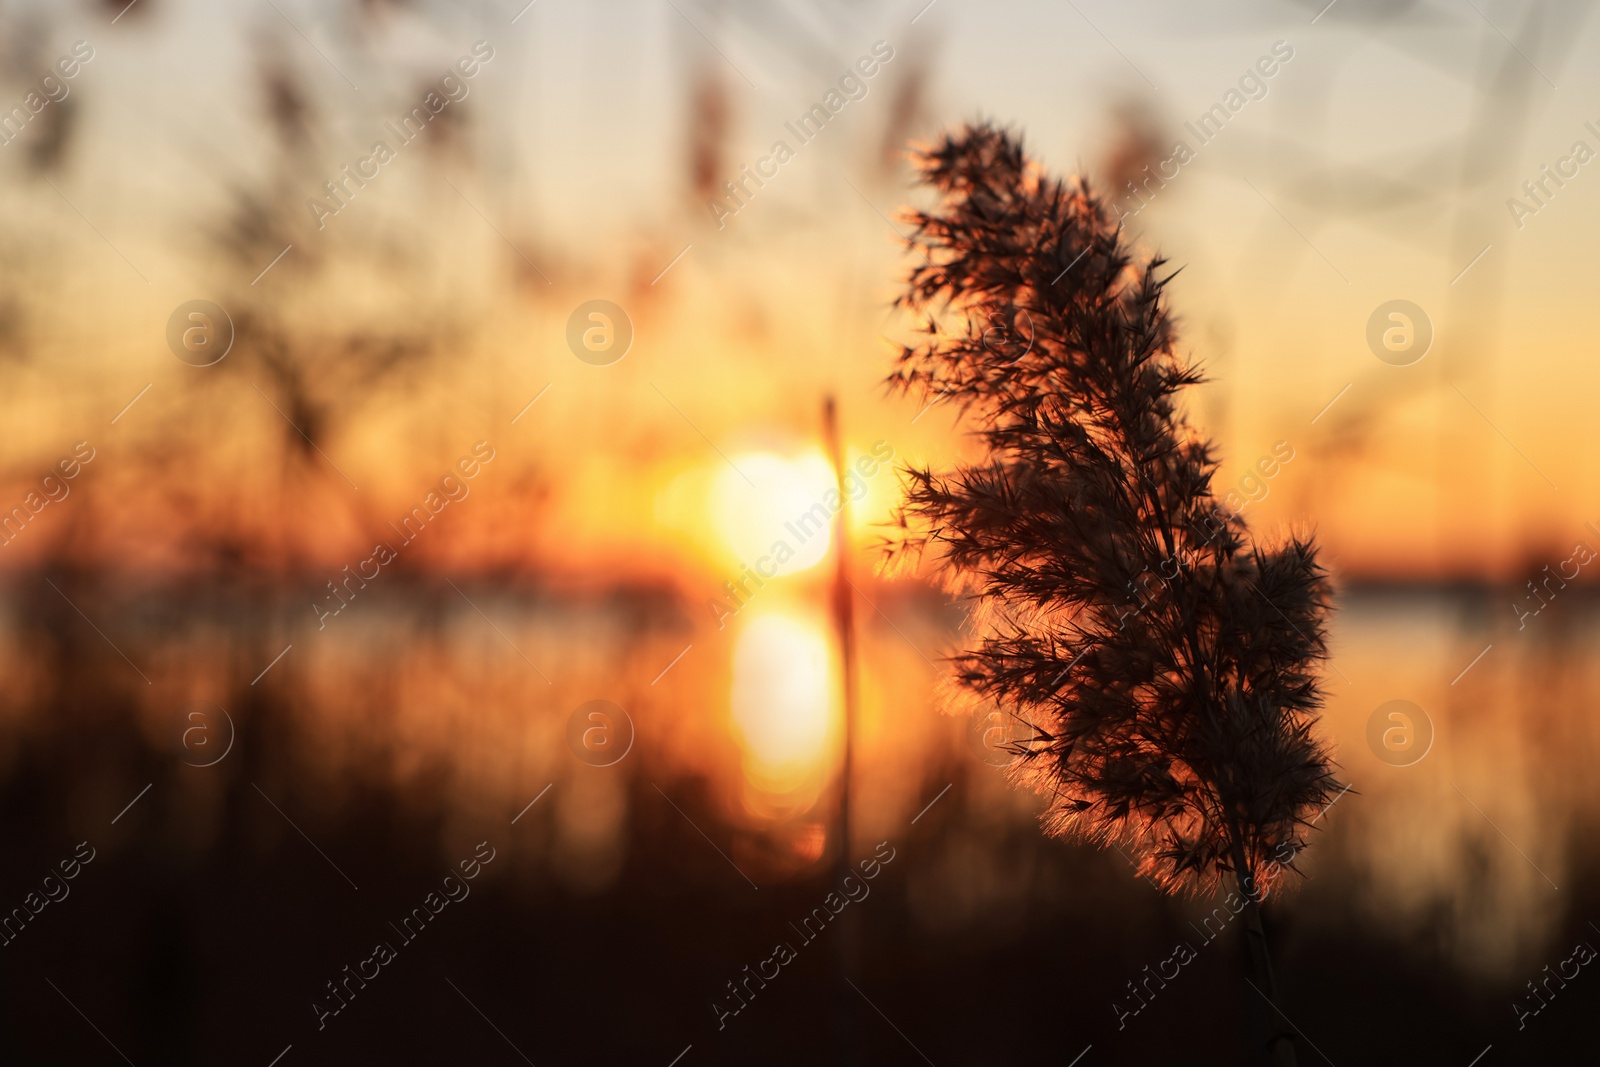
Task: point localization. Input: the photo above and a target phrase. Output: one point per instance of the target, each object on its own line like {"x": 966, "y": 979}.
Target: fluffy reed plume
{"x": 283, "y": 97}
{"x": 908, "y": 109}
{"x": 1138, "y": 143}
{"x": 140, "y": 8}
{"x": 710, "y": 119}
{"x": 1166, "y": 661}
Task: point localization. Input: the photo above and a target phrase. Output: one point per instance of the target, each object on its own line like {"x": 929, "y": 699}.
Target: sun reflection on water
{"x": 783, "y": 707}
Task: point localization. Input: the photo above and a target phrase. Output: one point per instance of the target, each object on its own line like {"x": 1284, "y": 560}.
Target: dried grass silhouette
{"x": 1166, "y": 661}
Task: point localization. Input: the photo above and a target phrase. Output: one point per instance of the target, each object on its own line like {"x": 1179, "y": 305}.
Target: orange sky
{"x": 1347, "y": 184}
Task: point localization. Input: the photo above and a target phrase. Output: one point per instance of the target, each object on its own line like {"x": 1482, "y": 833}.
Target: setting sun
{"x": 770, "y": 511}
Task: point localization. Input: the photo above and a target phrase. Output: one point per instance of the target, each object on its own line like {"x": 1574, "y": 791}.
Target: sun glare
{"x": 774, "y": 513}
